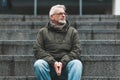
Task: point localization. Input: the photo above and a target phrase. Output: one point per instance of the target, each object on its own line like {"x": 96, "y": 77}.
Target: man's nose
{"x": 63, "y": 14}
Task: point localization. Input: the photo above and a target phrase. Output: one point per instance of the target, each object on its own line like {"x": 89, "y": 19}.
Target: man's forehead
{"x": 59, "y": 10}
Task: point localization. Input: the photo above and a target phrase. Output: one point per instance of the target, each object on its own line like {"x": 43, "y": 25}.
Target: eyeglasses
{"x": 61, "y": 13}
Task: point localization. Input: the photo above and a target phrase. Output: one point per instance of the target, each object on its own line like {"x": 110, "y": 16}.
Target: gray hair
{"x": 53, "y": 9}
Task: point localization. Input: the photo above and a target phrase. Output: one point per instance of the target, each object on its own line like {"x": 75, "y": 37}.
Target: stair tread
{"x": 82, "y": 57}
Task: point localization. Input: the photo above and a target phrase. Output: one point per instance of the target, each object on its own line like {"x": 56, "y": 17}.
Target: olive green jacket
{"x": 53, "y": 44}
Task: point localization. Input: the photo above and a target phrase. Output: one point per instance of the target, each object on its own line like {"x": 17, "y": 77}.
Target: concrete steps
{"x": 94, "y": 66}
{"x": 99, "y": 57}
{"x": 99, "y": 36}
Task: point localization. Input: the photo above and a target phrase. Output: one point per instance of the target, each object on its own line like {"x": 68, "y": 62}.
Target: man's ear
{"x": 51, "y": 17}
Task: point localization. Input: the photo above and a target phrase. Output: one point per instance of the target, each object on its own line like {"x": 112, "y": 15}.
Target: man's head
{"x": 57, "y": 14}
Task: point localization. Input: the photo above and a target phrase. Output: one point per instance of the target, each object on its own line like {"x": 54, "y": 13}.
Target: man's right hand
{"x": 58, "y": 68}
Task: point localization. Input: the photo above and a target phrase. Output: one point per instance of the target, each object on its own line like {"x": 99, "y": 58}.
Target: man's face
{"x": 59, "y": 17}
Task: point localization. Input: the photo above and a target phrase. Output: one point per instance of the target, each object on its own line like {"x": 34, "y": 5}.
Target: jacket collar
{"x": 52, "y": 27}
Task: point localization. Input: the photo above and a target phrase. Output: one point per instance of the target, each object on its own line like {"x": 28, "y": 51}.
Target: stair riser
{"x": 101, "y": 68}
{"x": 70, "y": 17}
{"x": 88, "y": 47}
{"x": 16, "y": 68}
{"x": 84, "y": 34}
{"x": 18, "y": 35}
{"x": 78, "y": 24}
{"x": 97, "y": 25}
{"x": 14, "y": 49}
{"x": 90, "y": 68}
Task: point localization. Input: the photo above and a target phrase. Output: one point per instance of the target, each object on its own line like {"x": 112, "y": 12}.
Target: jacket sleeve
{"x": 75, "y": 50}
{"x": 39, "y": 51}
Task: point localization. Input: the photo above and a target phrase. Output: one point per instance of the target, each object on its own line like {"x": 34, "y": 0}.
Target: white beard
{"x": 62, "y": 22}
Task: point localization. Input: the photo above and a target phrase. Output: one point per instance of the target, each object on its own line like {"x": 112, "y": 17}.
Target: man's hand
{"x": 58, "y": 68}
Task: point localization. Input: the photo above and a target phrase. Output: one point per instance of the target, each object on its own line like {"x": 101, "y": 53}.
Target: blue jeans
{"x": 72, "y": 71}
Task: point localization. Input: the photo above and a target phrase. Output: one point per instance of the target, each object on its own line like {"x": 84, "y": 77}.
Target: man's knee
{"x": 40, "y": 63}
{"x": 76, "y": 63}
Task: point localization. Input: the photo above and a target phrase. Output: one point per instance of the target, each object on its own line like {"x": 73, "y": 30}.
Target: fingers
{"x": 58, "y": 68}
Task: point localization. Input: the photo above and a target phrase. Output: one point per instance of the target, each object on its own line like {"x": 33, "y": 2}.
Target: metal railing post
{"x": 80, "y": 7}
{"x": 35, "y": 7}
{"x": 4, "y": 3}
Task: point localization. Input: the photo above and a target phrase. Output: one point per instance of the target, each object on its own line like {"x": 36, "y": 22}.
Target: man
{"x": 57, "y": 48}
